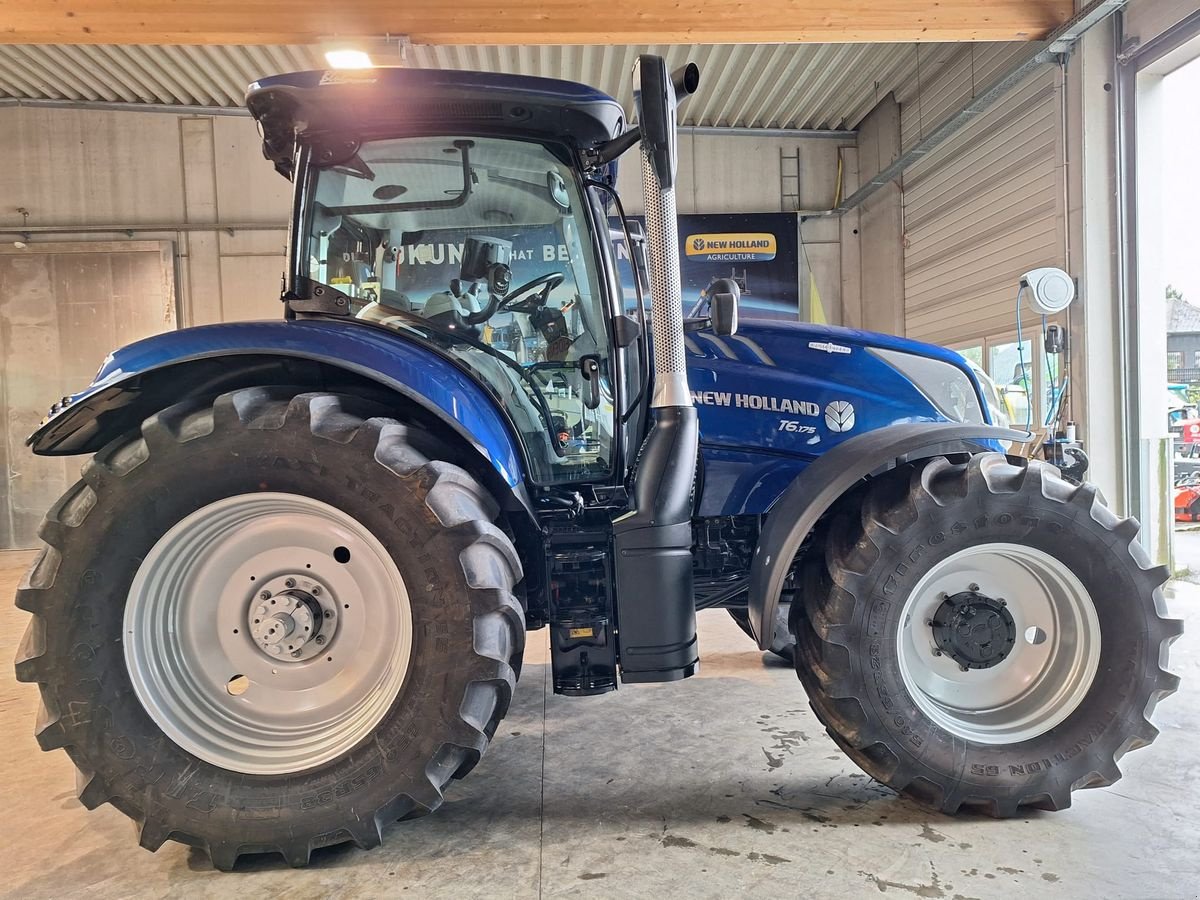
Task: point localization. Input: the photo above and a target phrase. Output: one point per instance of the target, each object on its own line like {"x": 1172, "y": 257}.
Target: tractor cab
{"x": 459, "y": 209}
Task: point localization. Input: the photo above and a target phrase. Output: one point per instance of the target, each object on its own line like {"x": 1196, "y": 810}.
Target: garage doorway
{"x": 1158, "y": 94}
{"x": 63, "y": 308}
{"x": 1178, "y": 274}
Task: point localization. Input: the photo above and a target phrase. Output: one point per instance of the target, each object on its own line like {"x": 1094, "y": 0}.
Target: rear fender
{"x": 794, "y": 515}
{"x": 138, "y": 380}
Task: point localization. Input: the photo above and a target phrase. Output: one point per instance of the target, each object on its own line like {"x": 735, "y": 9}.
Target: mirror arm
{"x": 595, "y": 157}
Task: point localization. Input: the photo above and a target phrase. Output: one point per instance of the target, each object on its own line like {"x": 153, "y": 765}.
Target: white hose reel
{"x": 1048, "y": 290}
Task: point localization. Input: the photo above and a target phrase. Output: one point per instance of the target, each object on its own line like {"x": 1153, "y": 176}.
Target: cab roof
{"x": 341, "y": 107}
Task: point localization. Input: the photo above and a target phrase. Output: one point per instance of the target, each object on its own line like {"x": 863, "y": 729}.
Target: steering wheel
{"x": 547, "y": 283}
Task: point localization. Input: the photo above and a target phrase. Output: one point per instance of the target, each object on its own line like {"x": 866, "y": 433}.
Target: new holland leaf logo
{"x": 839, "y": 416}
{"x": 698, "y": 243}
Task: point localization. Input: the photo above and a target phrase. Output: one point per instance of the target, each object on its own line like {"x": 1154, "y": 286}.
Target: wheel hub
{"x": 975, "y": 630}
{"x": 292, "y": 617}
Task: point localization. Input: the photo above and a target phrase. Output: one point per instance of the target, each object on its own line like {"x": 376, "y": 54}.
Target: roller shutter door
{"x": 982, "y": 209}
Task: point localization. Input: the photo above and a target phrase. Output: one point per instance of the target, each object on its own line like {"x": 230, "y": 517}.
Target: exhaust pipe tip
{"x": 686, "y": 79}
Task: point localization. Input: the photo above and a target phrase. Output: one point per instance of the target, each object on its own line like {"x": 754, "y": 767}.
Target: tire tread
{"x": 458, "y": 501}
{"x": 833, "y": 580}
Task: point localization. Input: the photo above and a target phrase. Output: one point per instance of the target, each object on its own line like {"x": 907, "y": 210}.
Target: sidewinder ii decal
{"x": 828, "y": 347}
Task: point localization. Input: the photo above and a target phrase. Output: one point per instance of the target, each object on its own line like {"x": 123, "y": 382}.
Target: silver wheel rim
{"x": 267, "y": 633}
{"x": 1039, "y": 682}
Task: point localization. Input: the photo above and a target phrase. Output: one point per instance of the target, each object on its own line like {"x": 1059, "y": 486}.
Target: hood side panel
{"x": 774, "y": 397}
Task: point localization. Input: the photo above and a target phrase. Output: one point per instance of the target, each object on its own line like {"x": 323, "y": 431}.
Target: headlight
{"x": 946, "y": 386}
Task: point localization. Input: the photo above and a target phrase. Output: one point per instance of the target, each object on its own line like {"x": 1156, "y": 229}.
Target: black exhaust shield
{"x": 656, "y": 612}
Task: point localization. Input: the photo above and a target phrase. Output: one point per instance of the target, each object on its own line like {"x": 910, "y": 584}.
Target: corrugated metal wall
{"x": 942, "y": 80}
{"x": 982, "y": 209}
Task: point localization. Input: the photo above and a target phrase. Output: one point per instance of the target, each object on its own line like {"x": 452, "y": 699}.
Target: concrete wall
{"x": 872, "y": 235}
{"x": 75, "y": 167}
{"x": 738, "y": 173}
{"x": 63, "y": 306}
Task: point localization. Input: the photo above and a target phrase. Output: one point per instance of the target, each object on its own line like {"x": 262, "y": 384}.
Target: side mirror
{"x": 723, "y": 299}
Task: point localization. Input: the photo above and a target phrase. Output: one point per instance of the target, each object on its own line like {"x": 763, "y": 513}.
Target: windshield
{"x": 479, "y": 244}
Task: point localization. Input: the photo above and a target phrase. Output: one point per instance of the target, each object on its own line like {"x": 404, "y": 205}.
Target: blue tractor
{"x": 287, "y": 602}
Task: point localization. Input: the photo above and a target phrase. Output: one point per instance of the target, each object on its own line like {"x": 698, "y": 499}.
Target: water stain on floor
{"x": 759, "y": 824}
{"x": 932, "y": 890}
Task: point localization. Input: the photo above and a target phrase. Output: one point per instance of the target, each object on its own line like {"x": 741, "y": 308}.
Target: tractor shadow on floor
{"x": 649, "y": 772}
{"x": 677, "y": 819}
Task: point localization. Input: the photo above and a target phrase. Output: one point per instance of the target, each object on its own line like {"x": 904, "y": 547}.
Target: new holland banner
{"x": 759, "y": 251}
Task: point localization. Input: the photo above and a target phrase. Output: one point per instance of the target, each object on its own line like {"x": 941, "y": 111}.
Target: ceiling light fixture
{"x": 348, "y": 58}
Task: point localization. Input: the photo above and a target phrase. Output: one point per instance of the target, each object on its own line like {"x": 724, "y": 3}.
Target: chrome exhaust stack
{"x": 657, "y": 97}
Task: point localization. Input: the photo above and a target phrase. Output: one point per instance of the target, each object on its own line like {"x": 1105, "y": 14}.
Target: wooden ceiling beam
{"x": 526, "y": 21}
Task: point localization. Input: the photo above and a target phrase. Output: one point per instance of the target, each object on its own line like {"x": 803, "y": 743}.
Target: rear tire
{"x": 978, "y": 739}
{"x": 431, "y": 522}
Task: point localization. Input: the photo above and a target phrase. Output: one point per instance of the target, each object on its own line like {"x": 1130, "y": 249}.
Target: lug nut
{"x": 296, "y": 654}
{"x": 265, "y": 595}
{"x": 316, "y": 591}
{"x": 291, "y": 582}
{"x": 970, "y": 587}
{"x": 329, "y": 613}
{"x": 320, "y": 638}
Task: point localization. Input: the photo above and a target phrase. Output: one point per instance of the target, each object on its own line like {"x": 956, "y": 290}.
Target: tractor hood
{"x": 800, "y": 389}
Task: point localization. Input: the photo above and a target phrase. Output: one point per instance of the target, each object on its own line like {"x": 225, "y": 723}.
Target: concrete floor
{"x": 719, "y": 786}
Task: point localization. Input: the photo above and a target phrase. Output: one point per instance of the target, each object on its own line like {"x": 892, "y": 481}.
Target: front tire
{"x": 983, "y": 635}
{"x": 270, "y": 624}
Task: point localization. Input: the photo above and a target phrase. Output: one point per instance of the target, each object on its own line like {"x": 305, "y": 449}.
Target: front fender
{"x": 817, "y": 488}
{"x": 84, "y": 422}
